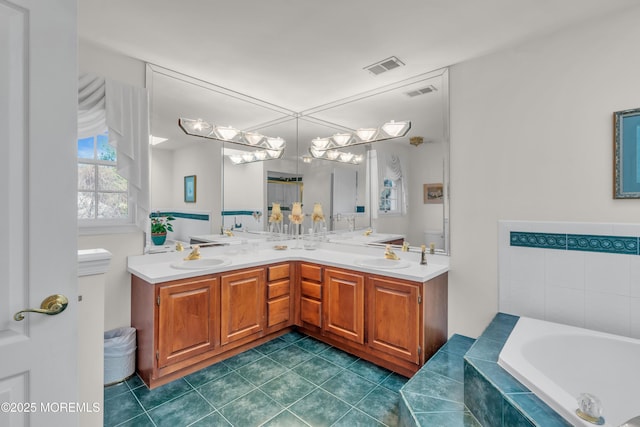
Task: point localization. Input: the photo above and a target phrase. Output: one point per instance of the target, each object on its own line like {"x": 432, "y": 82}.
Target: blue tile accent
{"x": 627, "y": 245}
{"x": 238, "y": 213}
{"x": 198, "y": 217}
{"x": 539, "y": 240}
{"x": 608, "y": 244}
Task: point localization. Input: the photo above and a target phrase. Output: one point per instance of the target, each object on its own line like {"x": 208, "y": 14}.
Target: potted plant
{"x": 159, "y": 227}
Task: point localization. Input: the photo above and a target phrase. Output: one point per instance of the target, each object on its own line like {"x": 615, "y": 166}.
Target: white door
{"x": 38, "y": 99}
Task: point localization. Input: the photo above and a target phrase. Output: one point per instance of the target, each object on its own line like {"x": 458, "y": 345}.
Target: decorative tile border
{"x": 198, "y": 217}
{"x": 626, "y": 245}
{"x": 238, "y": 213}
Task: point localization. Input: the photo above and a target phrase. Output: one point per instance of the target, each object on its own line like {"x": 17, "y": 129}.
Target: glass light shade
{"x": 226, "y": 132}
{"x": 195, "y": 127}
{"x": 275, "y": 143}
{"x": 235, "y": 159}
{"x": 346, "y": 157}
{"x": 306, "y": 159}
{"x": 366, "y": 134}
{"x": 260, "y": 155}
{"x": 357, "y": 159}
{"x": 333, "y": 154}
{"x": 341, "y": 139}
{"x": 248, "y": 157}
{"x": 394, "y": 128}
{"x": 253, "y": 138}
{"x": 318, "y": 154}
{"x": 320, "y": 143}
{"x": 274, "y": 154}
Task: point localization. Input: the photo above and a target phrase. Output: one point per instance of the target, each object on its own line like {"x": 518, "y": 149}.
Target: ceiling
{"x": 300, "y": 54}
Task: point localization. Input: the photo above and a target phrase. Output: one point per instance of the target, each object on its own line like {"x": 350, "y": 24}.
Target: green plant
{"x": 161, "y": 224}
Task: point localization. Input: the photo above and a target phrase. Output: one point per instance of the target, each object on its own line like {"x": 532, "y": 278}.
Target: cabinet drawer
{"x": 278, "y": 311}
{"x": 311, "y": 272}
{"x": 311, "y": 311}
{"x": 311, "y": 290}
{"x": 277, "y": 289}
{"x": 277, "y": 272}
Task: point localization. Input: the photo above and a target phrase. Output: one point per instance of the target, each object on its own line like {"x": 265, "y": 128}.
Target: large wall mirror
{"x": 397, "y": 187}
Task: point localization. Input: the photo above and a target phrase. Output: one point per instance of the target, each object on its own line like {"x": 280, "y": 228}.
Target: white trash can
{"x": 119, "y": 354}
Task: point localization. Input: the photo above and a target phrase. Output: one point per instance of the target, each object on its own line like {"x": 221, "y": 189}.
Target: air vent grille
{"x": 384, "y": 65}
{"x": 422, "y": 91}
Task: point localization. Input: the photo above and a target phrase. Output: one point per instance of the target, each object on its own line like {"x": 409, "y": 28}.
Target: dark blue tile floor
{"x": 293, "y": 380}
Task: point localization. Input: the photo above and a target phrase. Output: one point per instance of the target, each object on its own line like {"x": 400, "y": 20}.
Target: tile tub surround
{"x": 580, "y": 274}
{"x": 435, "y": 395}
{"x": 493, "y": 396}
{"x": 293, "y": 380}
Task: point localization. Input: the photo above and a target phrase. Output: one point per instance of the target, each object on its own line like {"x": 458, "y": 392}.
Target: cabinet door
{"x": 187, "y": 322}
{"x": 242, "y": 304}
{"x": 393, "y": 318}
{"x": 343, "y": 304}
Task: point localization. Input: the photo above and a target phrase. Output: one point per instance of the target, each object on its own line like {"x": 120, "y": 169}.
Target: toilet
{"x": 434, "y": 236}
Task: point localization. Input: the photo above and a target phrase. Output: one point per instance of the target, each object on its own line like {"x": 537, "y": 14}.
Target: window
{"x": 102, "y": 194}
{"x": 390, "y": 196}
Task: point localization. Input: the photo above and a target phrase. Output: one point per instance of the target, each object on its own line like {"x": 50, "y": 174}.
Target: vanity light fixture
{"x": 203, "y": 129}
{"x": 336, "y": 156}
{"x": 389, "y": 130}
{"x": 255, "y": 156}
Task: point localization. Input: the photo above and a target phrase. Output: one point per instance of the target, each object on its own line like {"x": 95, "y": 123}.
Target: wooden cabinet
{"x": 242, "y": 310}
{"x": 187, "y": 318}
{"x": 311, "y": 296}
{"x": 393, "y": 319}
{"x": 279, "y": 307}
{"x": 343, "y": 304}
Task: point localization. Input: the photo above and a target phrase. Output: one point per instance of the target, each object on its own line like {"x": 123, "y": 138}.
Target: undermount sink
{"x": 201, "y": 263}
{"x": 383, "y": 263}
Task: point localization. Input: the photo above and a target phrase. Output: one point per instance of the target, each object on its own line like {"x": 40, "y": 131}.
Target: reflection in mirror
{"x": 386, "y": 191}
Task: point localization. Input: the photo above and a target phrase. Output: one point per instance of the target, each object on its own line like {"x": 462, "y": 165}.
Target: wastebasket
{"x": 119, "y": 354}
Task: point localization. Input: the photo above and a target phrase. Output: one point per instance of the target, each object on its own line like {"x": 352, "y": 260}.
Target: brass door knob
{"x": 51, "y": 305}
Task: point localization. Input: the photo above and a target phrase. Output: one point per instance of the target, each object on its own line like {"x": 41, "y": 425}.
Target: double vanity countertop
{"x": 163, "y": 267}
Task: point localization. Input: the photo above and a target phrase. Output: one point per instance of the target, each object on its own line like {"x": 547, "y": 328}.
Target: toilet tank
{"x": 434, "y": 236}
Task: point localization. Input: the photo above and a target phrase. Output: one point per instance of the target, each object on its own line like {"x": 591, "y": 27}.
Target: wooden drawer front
{"x": 278, "y": 310}
{"x": 311, "y": 311}
{"x": 278, "y": 289}
{"x": 311, "y": 290}
{"x": 277, "y": 272}
{"x": 311, "y": 272}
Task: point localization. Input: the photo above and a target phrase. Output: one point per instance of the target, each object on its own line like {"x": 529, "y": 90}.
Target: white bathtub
{"x": 559, "y": 362}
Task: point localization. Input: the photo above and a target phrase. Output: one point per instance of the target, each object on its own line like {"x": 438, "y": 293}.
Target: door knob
{"x": 51, "y": 305}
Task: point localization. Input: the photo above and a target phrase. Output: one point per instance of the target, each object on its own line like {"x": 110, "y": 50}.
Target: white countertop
{"x": 156, "y": 268}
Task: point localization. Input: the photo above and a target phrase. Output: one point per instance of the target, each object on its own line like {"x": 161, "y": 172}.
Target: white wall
{"x": 93, "y": 59}
{"x": 531, "y": 139}
{"x": 244, "y": 186}
{"x": 161, "y": 178}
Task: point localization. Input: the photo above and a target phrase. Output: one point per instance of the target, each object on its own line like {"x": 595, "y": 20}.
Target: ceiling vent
{"x": 384, "y": 65}
{"x": 422, "y": 91}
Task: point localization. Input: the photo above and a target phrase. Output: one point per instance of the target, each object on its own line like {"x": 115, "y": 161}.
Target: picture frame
{"x": 190, "y": 189}
{"x": 626, "y": 154}
{"x": 433, "y": 193}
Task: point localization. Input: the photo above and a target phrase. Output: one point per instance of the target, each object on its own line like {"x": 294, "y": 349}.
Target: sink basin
{"x": 383, "y": 263}
{"x": 201, "y": 263}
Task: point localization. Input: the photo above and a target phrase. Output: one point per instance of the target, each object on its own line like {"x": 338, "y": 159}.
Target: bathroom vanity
{"x": 188, "y": 318}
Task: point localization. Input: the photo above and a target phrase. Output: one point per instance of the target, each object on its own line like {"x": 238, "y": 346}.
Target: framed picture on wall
{"x": 433, "y": 193}
{"x": 190, "y": 189}
{"x": 626, "y": 154}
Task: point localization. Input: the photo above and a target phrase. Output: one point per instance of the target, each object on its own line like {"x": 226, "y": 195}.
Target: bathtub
{"x": 559, "y": 362}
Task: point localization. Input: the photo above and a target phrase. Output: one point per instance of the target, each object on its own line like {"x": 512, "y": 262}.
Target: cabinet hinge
{"x": 158, "y": 300}
{"x": 157, "y": 355}
{"x": 419, "y": 350}
{"x": 419, "y": 300}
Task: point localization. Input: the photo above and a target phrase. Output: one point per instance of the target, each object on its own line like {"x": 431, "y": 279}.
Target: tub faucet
{"x": 195, "y": 253}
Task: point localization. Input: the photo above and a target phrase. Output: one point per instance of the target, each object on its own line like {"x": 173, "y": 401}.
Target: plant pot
{"x": 158, "y": 238}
